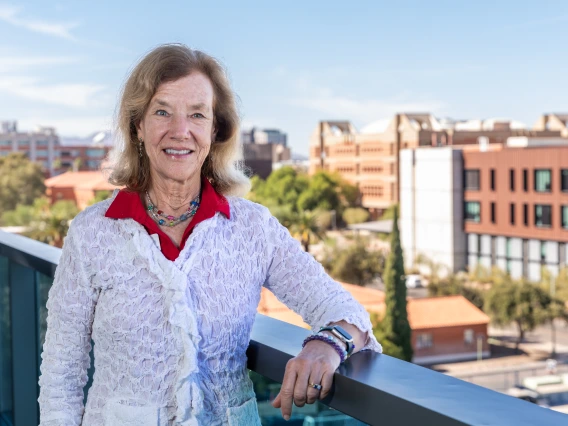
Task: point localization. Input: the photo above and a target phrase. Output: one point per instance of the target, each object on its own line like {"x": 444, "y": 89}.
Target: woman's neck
{"x": 172, "y": 196}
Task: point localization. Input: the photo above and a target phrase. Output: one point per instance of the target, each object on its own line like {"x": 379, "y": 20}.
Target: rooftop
{"x": 94, "y": 180}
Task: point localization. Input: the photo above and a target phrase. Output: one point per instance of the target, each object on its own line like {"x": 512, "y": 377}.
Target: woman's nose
{"x": 179, "y": 127}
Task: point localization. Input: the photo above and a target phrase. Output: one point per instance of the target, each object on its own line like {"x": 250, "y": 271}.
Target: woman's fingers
{"x": 285, "y": 397}
{"x": 326, "y": 383}
{"x": 314, "y": 393}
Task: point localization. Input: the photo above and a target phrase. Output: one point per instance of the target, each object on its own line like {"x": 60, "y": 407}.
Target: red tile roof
{"x": 94, "y": 180}
{"x": 430, "y": 312}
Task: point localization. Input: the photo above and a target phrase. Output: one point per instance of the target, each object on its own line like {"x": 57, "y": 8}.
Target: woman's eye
{"x": 198, "y": 115}
{"x": 161, "y": 112}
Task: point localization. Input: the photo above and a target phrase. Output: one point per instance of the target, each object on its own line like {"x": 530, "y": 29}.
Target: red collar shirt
{"x": 128, "y": 205}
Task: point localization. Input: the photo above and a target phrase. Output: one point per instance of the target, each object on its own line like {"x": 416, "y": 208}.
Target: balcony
{"x": 374, "y": 389}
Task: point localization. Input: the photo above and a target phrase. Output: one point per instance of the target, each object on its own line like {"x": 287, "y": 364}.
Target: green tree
{"x": 282, "y": 188}
{"x": 522, "y": 303}
{"x": 21, "y": 181}
{"x": 44, "y": 222}
{"x": 353, "y": 215}
{"x": 454, "y": 285}
{"x": 100, "y": 196}
{"x": 327, "y": 191}
{"x": 305, "y": 227}
{"x": 389, "y": 212}
{"x": 355, "y": 264}
{"x": 389, "y": 348}
{"x": 395, "y": 323}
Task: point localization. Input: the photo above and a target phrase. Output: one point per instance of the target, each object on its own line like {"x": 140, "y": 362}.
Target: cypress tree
{"x": 395, "y": 323}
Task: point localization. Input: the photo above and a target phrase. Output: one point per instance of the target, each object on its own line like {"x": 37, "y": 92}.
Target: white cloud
{"x": 70, "y": 95}
{"x": 12, "y": 15}
{"x": 74, "y": 126}
{"x": 364, "y": 110}
{"x": 22, "y": 63}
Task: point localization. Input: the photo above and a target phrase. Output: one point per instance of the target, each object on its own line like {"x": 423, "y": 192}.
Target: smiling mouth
{"x": 178, "y": 151}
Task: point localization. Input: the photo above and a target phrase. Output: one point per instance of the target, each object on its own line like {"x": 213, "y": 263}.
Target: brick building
{"x": 79, "y": 187}
{"x": 444, "y": 329}
{"x": 56, "y": 155}
{"x": 370, "y": 159}
{"x": 262, "y": 148}
{"x": 503, "y": 205}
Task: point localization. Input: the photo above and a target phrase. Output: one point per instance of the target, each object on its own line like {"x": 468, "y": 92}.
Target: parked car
{"x": 413, "y": 281}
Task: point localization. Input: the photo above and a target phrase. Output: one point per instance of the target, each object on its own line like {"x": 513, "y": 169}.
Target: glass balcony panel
{"x": 6, "y": 385}
{"x": 309, "y": 415}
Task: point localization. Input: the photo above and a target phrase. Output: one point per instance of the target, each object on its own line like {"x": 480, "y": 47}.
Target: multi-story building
{"x": 554, "y": 121}
{"x": 503, "y": 205}
{"x": 84, "y": 154}
{"x": 262, "y": 149}
{"x": 370, "y": 158}
{"x": 56, "y": 155}
{"x": 40, "y": 145}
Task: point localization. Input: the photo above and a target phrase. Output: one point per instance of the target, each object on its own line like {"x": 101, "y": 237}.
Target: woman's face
{"x": 177, "y": 128}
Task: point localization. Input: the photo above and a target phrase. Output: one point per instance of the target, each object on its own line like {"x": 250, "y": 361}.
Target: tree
{"x": 522, "y": 303}
{"x": 100, "y": 196}
{"x": 389, "y": 348}
{"x": 282, "y": 188}
{"x": 327, "y": 191}
{"x": 44, "y": 222}
{"x": 305, "y": 227}
{"x": 21, "y": 181}
{"x": 395, "y": 323}
{"x": 452, "y": 285}
{"x": 355, "y": 264}
{"x": 353, "y": 215}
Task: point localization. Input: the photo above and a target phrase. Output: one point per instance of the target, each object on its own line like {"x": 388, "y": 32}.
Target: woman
{"x": 165, "y": 277}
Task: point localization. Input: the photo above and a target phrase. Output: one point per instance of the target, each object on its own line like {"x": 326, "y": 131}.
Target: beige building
{"x": 553, "y": 122}
{"x": 370, "y": 158}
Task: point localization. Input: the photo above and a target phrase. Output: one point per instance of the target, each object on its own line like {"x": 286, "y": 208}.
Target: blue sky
{"x": 292, "y": 63}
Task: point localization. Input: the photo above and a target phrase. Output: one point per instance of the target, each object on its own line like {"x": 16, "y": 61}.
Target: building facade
{"x": 370, "y": 160}
{"x": 56, "y": 155}
{"x": 505, "y": 205}
{"x": 40, "y": 145}
{"x": 262, "y": 148}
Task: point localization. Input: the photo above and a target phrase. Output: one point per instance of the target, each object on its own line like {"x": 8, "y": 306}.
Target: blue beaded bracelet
{"x": 330, "y": 341}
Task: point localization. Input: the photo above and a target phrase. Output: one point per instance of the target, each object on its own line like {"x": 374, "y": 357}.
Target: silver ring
{"x": 315, "y": 386}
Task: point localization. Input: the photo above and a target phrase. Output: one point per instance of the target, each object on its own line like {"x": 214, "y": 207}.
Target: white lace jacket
{"x": 170, "y": 337}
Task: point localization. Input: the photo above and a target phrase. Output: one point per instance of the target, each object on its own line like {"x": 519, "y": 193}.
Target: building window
{"x": 95, "y": 152}
{"x": 424, "y": 340}
{"x": 468, "y": 336}
{"x": 526, "y": 214}
{"x": 472, "y": 180}
{"x": 512, "y": 213}
{"x": 24, "y": 144}
{"x": 543, "y": 215}
{"x": 542, "y": 180}
{"x": 493, "y": 214}
{"x": 564, "y": 216}
{"x": 7, "y": 144}
{"x": 543, "y": 252}
{"x": 525, "y": 180}
{"x": 42, "y": 143}
{"x": 473, "y": 211}
{"x": 512, "y": 180}
{"x": 564, "y": 180}
{"x": 492, "y": 179}
{"x": 41, "y": 153}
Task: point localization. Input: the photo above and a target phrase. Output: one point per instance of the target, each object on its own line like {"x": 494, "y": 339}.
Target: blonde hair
{"x": 170, "y": 62}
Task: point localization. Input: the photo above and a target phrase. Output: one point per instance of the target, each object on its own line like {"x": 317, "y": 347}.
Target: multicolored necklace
{"x": 163, "y": 219}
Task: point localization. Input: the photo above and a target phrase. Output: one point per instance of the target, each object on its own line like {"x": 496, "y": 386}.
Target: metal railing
{"x": 373, "y": 388}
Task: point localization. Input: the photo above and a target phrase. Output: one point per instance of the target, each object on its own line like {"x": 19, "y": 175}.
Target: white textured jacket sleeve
{"x": 300, "y": 282}
{"x": 70, "y": 305}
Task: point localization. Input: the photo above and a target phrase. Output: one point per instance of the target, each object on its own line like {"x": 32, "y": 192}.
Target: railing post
{"x": 23, "y": 300}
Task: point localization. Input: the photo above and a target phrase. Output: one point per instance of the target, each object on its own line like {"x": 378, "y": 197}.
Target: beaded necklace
{"x": 168, "y": 220}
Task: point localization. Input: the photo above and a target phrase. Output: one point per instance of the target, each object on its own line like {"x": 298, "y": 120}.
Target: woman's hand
{"x": 315, "y": 364}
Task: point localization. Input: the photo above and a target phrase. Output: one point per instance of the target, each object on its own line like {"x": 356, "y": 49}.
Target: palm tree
{"x": 305, "y": 227}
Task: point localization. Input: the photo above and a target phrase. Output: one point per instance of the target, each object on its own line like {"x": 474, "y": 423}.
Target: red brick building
{"x": 79, "y": 187}
{"x": 370, "y": 158}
